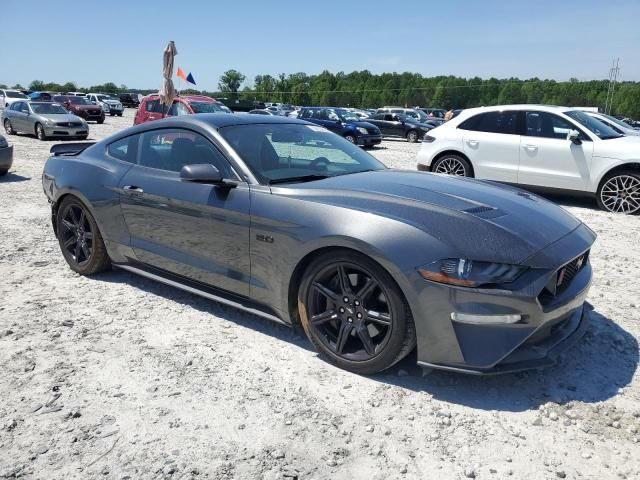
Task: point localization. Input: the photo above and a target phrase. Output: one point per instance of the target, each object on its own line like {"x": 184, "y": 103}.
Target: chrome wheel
{"x": 40, "y": 132}
{"x": 451, "y": 166}
{"x": 621, "y": 194}
{"x": 8, "y": 128}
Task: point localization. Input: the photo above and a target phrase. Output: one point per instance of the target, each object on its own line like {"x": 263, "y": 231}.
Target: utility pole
{"x": 613, "y": 78}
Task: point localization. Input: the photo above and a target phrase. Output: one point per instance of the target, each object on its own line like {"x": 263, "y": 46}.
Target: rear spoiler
{"x": 70, "y": 148}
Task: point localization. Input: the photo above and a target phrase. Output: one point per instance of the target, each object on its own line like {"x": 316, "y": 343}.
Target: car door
{"x": 14, "y": 115}
{"x": 378, "y": 120}
{"x": 198, "y": 231}
{"x": 395, "y": 124}
{"x": 23, "y": 118}
{"x": 491, "y": 141}
{"x": 548, "y": 158}
{"x": 331, "y": 120}
{"x": 387, "y": 126}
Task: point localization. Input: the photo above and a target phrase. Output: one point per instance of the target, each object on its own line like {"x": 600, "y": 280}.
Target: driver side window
{"x": 170, "y": 149}
{"x": 548, "y": 125}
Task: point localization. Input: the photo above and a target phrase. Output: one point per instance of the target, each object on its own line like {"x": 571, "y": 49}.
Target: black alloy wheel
{"x": 80, "y": 241}
{"x": 355, "y": 314}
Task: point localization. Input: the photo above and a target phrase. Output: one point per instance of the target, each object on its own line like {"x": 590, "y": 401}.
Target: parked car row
{"x": 542, "y": 147}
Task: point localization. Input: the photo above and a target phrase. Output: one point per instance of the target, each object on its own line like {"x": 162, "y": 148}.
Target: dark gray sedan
{"x": 293, "y": 223}
{"x": 6, "y": 156}
{"x": 44, "y": 119}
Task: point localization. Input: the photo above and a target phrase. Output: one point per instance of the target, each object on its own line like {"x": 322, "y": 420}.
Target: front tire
{"x": 451, "y": 164}
{"x": 40, "y": 132}
{"x": 119, "y": 114}
{"x": 3, "y": 171}
{"x": 79, "y": 238}
{"x": 8, "y": 127}
{"x": 619, "y": 192}
{"x": 354, "y": 313}
{"x": 100, "y": 122}
{"x": 350, "y": 138}
{"x": 412, "y": 136}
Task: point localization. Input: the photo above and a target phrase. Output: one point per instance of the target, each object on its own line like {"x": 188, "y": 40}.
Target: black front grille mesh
{"x": 563, "y": 278}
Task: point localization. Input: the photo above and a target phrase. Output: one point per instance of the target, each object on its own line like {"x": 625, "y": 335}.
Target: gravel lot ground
{"x": 118, "y": 377}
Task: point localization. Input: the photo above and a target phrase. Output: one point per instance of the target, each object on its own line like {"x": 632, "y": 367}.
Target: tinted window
{"x": 306, "y": 114}
{"x": 152, "y": 106}
{"x": 547, "y": 125}
{"x": 16, "y": 106}
{"x": 124, "y": 149}
{"x": 172, "y": 148}
{"x": 493, "y": 122}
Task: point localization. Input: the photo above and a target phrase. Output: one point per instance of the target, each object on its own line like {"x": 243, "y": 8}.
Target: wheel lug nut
{"x": 359, "y": 315}
{"x": 350, "y": 320}
{"x": 341, "y": 310}
{"x": 346, "y": 299}
{"x": 356, "y": 303}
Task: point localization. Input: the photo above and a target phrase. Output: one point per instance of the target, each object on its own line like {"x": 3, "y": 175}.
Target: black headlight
{"x": 469, "y": 273}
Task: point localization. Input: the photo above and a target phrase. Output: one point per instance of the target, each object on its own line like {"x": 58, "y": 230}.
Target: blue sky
{"x": 122, "y": 41}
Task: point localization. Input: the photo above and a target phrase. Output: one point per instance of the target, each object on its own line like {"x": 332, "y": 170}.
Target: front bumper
{"x": 113, "y": 110}
{"x": 368, "y": 140}
{"x": 90, "y": 117}
{"x": 6, "y": 157}
{"x": 57, "y": 131}
{"x": 548, "y": 325}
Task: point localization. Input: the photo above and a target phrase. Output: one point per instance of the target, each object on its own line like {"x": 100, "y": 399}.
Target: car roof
{"x": 524, "y": 106}
{"x": 188, "y": 98}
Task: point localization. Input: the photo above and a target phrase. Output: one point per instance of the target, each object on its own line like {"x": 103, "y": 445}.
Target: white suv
{"x": 7, "y": 97}
{"x": 556, "y": 148}
{"x": 110, "y": 105}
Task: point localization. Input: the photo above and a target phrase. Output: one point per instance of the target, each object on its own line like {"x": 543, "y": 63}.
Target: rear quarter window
{"x": 125, "y": 149}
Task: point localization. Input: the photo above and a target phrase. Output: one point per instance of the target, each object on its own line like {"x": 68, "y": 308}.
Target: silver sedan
{"x": 44, "y": 119}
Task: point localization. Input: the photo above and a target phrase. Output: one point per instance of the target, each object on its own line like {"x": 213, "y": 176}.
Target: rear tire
{"x": 3, "y": 171}
{"x": 79, "y": 238}
{"x": 619, "y": 192}
{"x": 371, "y": 331}
{"x": 8, "y": 127}
{"x": 412, "y": 136}
{"x": 451, "y": 164}
{"x": 40, "y": 132}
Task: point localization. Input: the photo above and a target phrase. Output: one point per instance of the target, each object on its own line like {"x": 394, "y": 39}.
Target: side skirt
{"x": 220, "y": 297}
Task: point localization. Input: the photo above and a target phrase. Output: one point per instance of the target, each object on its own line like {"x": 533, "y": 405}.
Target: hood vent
{"x": 484, "y": 211}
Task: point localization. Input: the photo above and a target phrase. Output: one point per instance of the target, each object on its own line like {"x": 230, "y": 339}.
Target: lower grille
{"x": 69, "y": 124}
{"x": 561, "y": 280}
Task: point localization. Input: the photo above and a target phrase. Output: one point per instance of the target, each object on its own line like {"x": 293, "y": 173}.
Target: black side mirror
{"x": 204, "y": 173}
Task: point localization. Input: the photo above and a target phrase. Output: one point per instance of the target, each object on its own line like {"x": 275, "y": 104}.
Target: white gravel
{"x": 118, "y": 377}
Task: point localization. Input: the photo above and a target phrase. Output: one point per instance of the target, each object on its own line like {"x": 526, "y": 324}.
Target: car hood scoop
{"x": 458, "y": 211}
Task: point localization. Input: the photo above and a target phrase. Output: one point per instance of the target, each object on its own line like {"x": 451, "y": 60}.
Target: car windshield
{"x": 48, "y": 108}
{"x": 11, "y": 94}
{"x": 205, "y": 107}
{"x": 605, "y": 132}
{"x": 617, "y": 121}
{"x": 279, "y": 153}
{"x": 347, "y": 116}
{"x": 78, "y": 101}
{"x": 102, "y": 98}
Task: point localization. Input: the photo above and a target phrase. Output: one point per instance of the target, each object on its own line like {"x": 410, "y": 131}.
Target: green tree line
{"x": 365, "y": 89}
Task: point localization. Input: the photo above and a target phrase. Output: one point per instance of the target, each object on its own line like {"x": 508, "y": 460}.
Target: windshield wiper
{"x": 302, "y": 178}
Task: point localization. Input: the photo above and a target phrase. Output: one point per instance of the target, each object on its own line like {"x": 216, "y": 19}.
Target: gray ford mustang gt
{"x": 293, "y": 223}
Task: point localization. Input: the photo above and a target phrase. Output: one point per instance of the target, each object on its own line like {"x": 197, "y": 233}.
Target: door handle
{"x": 132, "y": 190}
{"x": 473, "y": 143}
{"x": 530, "y": 147}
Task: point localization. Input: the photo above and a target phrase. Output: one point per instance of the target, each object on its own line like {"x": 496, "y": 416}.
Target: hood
{"x": 85, "y": 107}
{"x": 112, "y": 102}
{"x": 367, "y": 125}
{"x": 61, "y": 117}
{"x": 623, "y": 148}
{"x": 466, "y": 214}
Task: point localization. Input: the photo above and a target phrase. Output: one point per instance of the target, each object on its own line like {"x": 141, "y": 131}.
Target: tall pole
{"x": 613, "y": 78}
